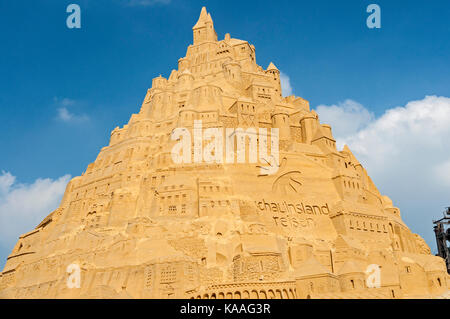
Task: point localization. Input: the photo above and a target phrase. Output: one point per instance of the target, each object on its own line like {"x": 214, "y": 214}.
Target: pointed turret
{"x": 272, "y": 67}
{"x": 202, "y": 19}
{"x": 275, "y": 73}
{"x": 352, "y": 157}
{"x": 203, "y": 30}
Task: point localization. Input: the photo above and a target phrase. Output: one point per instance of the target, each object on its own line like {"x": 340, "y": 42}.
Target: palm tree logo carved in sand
{"x": 288, "y": 183}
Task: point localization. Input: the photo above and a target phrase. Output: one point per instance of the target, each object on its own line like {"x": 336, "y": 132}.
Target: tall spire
{"x": 272, "y": 67}
{"x": 202, "y": 19}
{"x": 203, "y": 30}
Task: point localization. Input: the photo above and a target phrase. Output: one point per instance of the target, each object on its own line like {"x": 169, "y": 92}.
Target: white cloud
{"x": 406, "y": 151}
{"x": 65, "y": 115}
{"x": 286, "y": 87}
{"x": 442, "y": 171}
{"x": 420, "y": 130}
{"x": 66, "y": 102}
{"x": 24, "y": 206}
{"x": 6, "y": 181}
{"x": 347, "y": 117}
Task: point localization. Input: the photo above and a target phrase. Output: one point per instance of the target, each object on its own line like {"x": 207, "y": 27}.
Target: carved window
{"x": 172, "y": 209}
{"x": 149, "y": 278}
{"x": 168, "y": 275}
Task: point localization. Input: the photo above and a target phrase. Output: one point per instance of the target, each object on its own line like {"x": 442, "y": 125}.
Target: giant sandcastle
{"x": 307, "y": 223}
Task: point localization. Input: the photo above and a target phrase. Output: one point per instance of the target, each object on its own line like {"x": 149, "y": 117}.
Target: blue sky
{"x": 63, "y": 90}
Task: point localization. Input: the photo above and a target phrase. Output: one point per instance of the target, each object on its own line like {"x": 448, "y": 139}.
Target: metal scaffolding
{"x": 442, "y": 232}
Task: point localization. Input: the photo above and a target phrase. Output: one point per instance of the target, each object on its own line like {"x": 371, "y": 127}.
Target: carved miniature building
{"x": 140, "y": 225}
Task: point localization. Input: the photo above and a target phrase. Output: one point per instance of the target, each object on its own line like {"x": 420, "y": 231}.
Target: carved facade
{"x": 141, "y": 226}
